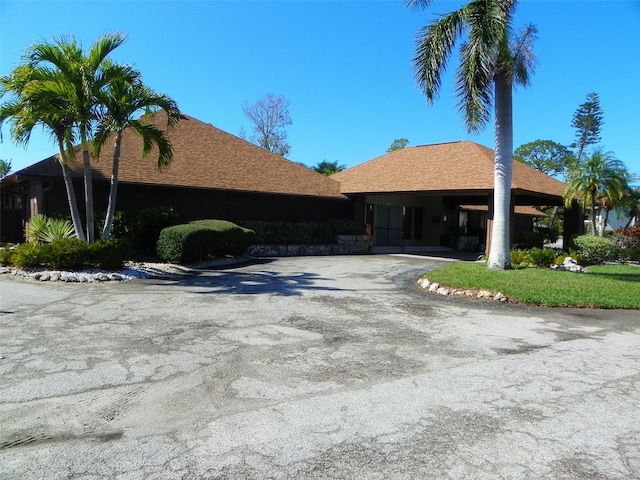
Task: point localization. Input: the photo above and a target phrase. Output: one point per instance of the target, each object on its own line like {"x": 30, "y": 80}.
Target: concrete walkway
{"x": 317, "y": 367}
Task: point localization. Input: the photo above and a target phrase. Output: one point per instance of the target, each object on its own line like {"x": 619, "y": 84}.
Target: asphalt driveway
{"x": 316, "y": 367}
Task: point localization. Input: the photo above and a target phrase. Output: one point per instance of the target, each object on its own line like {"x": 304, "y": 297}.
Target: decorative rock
{"x": 423, "y": 282}
{"x": 500, "y": 297}
{"x": 44, "y": 277}
{"x": 442, "y": 291}
{"x": 569, "y": 265}
{"x": 434, "y": 287}
{"x": 484, "y": 294}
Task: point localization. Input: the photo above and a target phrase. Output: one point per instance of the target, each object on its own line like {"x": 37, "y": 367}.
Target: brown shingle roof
{"x": 456, "y": 166}
{"x": 518, "y": 209}
{"x": 204, "y": 157}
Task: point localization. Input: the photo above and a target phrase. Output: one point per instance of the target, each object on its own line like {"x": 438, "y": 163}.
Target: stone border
{"x": 438, "y": 289}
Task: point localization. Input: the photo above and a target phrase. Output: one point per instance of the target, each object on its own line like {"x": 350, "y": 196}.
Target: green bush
{"x": 5, "y": 255}
{"x": 65, "y": 254}
{"x": 593, "y": 250}
{"x": 110, "y": 254}
{"x": 202, "y": 240}
{"x": 26, "y": 255}
{"x": 542, "y": 257}
{"x": 519, "y": 256}
{"x": 41, "y": 229}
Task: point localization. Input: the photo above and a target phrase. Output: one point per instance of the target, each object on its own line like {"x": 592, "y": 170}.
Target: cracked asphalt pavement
{"x": 310, "y": 368}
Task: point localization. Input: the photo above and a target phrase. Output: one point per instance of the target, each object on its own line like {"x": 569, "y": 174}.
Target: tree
{"x": 631, "y": 205}
{"x": 37, "y": 96}
{"x": 546, "y": 156}
{"x": 5, "y": 168}
{"x": 85, "y": 75}
{"x": 491, "y": 62}
{"x": 398, "y": 144}
{"x": 119, "y": 104}
{"x": 269, "y": 115}
{"x": 587, "y": 120}
{"x": 597, "y": 177}
{"x": 328, "y": 168}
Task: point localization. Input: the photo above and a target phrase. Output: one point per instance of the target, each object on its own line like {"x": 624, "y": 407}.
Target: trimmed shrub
{"x": 202, "y": 240}
{"x": 26, "y": 255}
{"x": 593, "y": 250}
{"x": 65, "y": 254}
{"x": 5, "y": 255}
{"x": 110, "y": 254}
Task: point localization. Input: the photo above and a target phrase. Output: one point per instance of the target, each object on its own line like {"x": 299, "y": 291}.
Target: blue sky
{"x": 345, "y": 66}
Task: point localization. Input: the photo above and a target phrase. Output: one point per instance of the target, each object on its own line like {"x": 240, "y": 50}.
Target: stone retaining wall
{"x": 346, "y": 245}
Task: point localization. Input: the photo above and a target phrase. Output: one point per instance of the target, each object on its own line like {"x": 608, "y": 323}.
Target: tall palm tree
{"x": 40, "y": 97}
{"x": 492, "y": 60}
{"x": 598, "y": 176}
{"x": 120, "y": 103}
{"x": 85, "y": 74}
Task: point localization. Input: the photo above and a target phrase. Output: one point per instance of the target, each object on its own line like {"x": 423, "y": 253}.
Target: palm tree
{"x": 85, "y": 75}
{"x": 598, "y": 176}
{"x": 119, "y": 104}
{"x": 40, "y": 97}
{"x": 491, "y": 62}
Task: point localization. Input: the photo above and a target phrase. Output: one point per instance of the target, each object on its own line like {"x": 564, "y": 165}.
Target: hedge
{"x": 201, "y": 240}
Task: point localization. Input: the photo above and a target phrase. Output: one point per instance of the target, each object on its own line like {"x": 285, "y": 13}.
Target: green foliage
{"x": 587, "y": 120}
{"x": 69, "y": 254}
{"x": 41, "y": 229}
{"x": 26, "y": 255}
{"x": 35, "y": 228}
{"x": 110, "y": 254}
{"x": 398, "y": 144}
{"x": 65, "y": 254}
{"x": 202, "y": 240}
{"x": 519, "y": 257}
{"x": 593, "y": 250}
{"x": 301, "y": 233}
{"x": 539, "y": 257}
{"x": 328, "y": 168}
{"x": 542, "y": 257}
{"x": 5, "y": 255}
{"x": 546, "y": 156}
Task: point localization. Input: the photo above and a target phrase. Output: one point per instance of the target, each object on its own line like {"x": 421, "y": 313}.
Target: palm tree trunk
{"x": 113, "y": 191}
{"x": 593, "y": 213}
{"x": 88, "y": 189}
{"x": 71, "y": 196}
{"x": 499, "y": 258}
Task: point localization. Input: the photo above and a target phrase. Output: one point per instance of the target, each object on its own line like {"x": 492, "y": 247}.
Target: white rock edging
{"x": 436, "y": 288}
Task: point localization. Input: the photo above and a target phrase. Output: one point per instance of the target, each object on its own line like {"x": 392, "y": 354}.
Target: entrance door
{"x": 388, "y": 225}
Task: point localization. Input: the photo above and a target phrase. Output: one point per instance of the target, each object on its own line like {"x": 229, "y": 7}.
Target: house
{"x": 431, "y": 195}
{"x": 213, "y": 175}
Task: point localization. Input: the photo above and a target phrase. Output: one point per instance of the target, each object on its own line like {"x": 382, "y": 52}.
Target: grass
{"x": 602, "y": 286}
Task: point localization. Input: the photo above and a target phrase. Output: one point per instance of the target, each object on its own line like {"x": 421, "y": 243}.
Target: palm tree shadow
{"x": 263, "y": 282}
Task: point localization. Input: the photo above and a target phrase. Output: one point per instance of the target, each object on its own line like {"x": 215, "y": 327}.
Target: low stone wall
{"x": 346, "y": 245}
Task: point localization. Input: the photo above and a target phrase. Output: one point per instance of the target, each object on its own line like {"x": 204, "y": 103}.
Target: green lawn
{"x": 603, "y": 286}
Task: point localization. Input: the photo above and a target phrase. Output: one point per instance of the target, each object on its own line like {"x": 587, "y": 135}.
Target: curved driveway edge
{"x": 310, "y": 367}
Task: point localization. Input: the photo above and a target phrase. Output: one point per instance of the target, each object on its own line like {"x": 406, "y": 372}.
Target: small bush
{"x": 542, "y": 257}
{"x": 519, "y": 257}
{"x": 5, "y": 255}
{"x": 202, "y": 240}
{"x": 593, "y": 250}
{"x": 65, "y": 254}
{"x": 26, "y": 255}
{"x": 110, "y": 254}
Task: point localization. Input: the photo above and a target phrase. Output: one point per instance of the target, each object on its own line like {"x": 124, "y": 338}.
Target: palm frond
{"x": 434, "y": 45}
